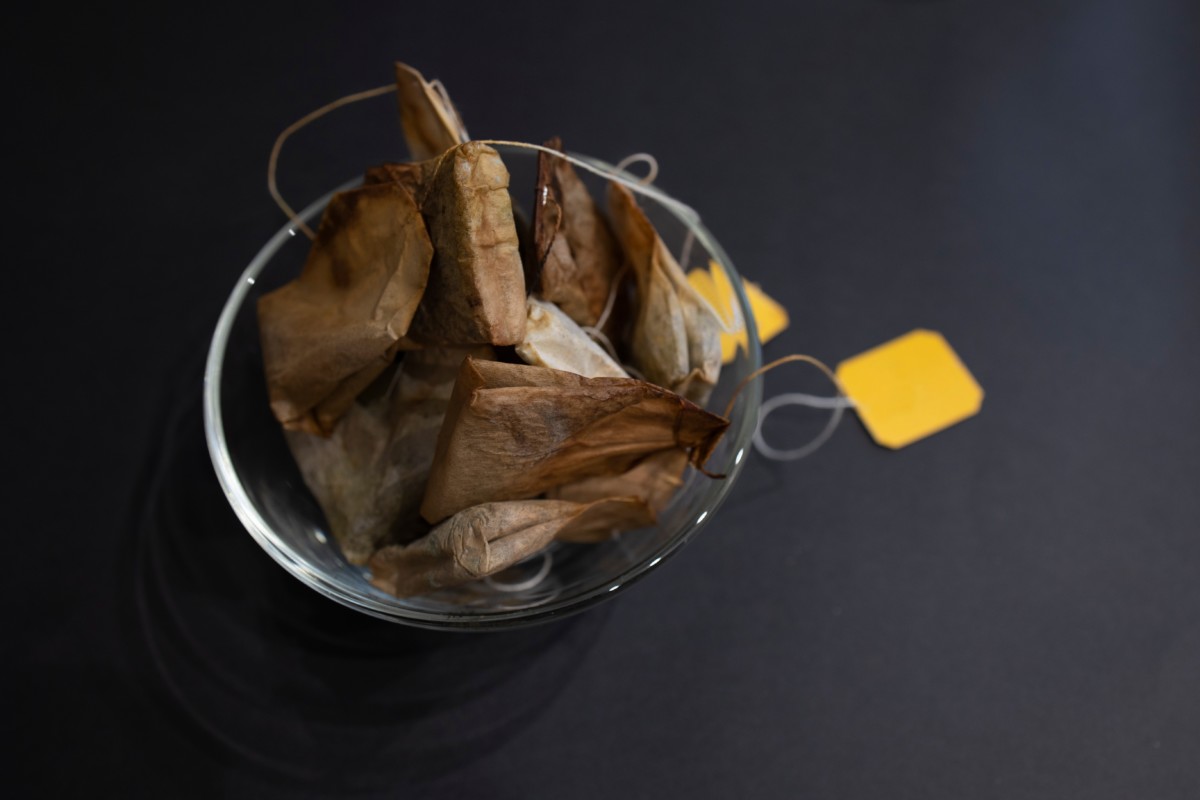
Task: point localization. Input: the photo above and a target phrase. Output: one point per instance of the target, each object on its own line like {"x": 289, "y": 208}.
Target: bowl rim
{"x": 277, "y": 548}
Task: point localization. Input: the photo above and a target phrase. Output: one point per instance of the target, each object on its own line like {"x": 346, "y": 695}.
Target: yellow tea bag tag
{"x": 909, "y": 388}
{"x": 770, "y": 318}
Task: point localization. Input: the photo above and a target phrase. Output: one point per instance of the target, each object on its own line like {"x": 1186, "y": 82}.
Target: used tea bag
{"x": 363, "y": 492}
{"x": 577, "y": 257}
{"x": 429, "y": 120}
{"x": 513, "y": 432}
{"x": 369, "y": 475}
{"x": 488, "y": 538}
{"x": 329, "y": 333}
{"x": 547, "y": 219}
{"x": 676, "y": 339}
{"x": 655, "y": 480}
{"x": 553, "y": 340}
{"x": 476, "y": 289}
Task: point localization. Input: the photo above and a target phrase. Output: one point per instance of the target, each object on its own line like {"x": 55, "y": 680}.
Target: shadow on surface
{"x": 278, "y": 679}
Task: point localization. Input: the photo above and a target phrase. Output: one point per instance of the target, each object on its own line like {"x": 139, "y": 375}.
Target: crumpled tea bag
{"x": 676, "y": 339}
{"x": 476, "y": 289}
{"x": 430, "y": 122}
{"x": 514, "y": 431}
{"x": 330, "y": 332}
{"x": 577, "y": 257}
{"x": 488, "y": 538}
{"x": 363, "y": 492}
{"x": 655, "y": 480}
{"x": 369, "y": 475}
{"x": 552, "y": 339}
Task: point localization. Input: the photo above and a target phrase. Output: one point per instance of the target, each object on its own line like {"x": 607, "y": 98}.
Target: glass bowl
{"x": 263, "y": 484}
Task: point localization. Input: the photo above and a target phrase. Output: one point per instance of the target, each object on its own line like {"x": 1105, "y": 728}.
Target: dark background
{"x": 1008, "y": 609}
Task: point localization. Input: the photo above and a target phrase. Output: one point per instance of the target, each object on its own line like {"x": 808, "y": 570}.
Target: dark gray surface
{"x": 1010, "y": 609}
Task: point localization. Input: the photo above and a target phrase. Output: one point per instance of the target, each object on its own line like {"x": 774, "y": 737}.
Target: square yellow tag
{"x": 909, "y": 388}
{"x": 714, "y": 286}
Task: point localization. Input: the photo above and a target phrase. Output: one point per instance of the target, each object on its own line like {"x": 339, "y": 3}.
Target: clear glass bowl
{"x": 264, "y": 487}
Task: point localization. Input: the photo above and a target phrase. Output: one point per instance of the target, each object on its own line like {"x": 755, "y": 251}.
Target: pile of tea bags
{"x": 457, "y": 401}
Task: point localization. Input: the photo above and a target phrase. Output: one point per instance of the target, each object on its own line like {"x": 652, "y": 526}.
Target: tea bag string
{"x": 449, "y": 109}
{"x": 273, "y": 161}
{"x": 529, "y": 583}
{"x": 596, "y": 331}
{"x": 839, "y": 403}
{"x": 612, "y": 296}
{"x": 647, "y": 158}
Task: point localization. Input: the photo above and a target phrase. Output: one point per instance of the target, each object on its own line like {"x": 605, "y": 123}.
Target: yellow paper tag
{"x": 714, "y": 285}
{"x": 910, "y": 388}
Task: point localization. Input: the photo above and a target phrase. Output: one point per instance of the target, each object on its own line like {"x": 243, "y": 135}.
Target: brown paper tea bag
{"x": 513, "y": 432}
{"x": 476, "y": 289}
{"x": 329, "y": 333}
{"x": 577, "y": 257}
{"x": 676, "y": 339}
{"x": 429, "y": 120}
{"x": 655, "y": 479}
{"x": 368, "y": 497}
{"x": 488, "y": 538}
{"x": 552, "y": 339}
{"x": 369, "y": 475}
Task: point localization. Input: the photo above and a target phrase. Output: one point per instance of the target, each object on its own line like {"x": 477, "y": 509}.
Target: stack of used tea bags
{"x": 443, "y": 389}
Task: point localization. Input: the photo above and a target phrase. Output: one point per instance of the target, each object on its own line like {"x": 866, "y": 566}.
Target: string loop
{"x": 839, "y": 403}
{"x": 527, "y": 584}
{"x": 640, "y": 158}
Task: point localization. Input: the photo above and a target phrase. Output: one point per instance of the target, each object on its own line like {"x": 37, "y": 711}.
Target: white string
{"x": 612, "y": 296}
{"x": 528, "y": 583}
{"x": 839, "y": 404}
{"x": 812, "y": 401}
{"x": 634, "y": 372}
{"x": 645, "y": 158}
{"x": 600, "y": 338}
{"x": 449, "y": 108}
